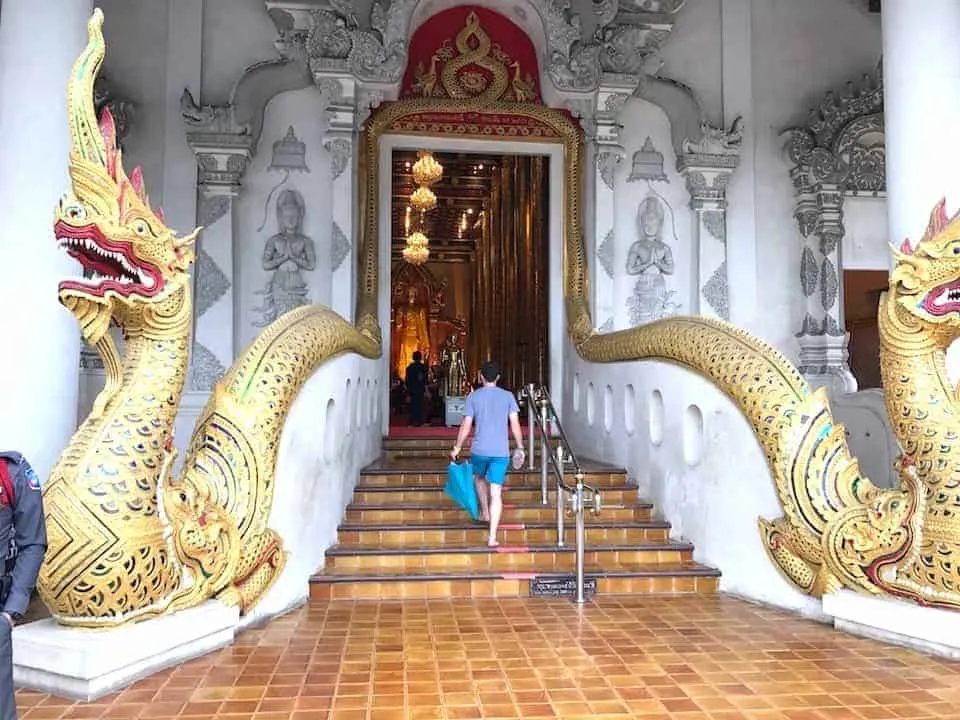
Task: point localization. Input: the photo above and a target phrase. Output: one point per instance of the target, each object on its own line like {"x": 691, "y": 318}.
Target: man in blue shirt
{"x": 494, "y": 414}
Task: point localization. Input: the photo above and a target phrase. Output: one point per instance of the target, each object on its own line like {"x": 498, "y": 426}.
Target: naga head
{"x": 131, "y": 259}
{"x": 925, "y": 281}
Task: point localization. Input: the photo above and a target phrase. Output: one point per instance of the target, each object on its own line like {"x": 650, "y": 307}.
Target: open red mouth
{"x": 942, "y": 300}
{"x": 110, "y": 265}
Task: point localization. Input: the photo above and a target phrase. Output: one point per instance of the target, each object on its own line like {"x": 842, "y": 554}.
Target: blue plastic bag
{"x": 461, "y": 489}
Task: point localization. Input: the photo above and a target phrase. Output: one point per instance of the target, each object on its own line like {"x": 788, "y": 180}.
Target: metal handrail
{"x": 540, "y": 412}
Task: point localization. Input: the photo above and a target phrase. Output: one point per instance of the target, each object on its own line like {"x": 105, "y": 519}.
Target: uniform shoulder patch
{"x": 33, "y": 480}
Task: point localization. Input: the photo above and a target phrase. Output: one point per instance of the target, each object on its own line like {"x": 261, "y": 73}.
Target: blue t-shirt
{"x": 490, "y": 408}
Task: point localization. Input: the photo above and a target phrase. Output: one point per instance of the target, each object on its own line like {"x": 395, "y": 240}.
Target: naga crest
{"x": 130, "y": 257}
{"x": 926, "y": 278}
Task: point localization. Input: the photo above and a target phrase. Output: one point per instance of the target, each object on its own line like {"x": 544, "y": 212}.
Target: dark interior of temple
{"x": 482, "y": 293}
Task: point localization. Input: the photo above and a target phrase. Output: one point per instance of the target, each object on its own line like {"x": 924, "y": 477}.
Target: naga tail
{"x": 821, "y": 490}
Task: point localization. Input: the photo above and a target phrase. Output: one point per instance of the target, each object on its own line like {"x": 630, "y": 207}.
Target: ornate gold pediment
{"x": 472, "y": 65}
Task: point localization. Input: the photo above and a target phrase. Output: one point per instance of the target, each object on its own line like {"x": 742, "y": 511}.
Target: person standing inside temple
{"x": 23, "y": 538}
{"x": 495, "y": 415}
{"x": 416, "y": 381}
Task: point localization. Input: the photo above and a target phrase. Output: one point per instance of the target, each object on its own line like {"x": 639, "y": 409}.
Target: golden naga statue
{"x": 838, "y": 530}
{"x": 412, "y": 332}
{"x": 126, "y": 540}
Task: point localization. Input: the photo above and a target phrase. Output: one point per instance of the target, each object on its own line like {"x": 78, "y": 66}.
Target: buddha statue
{"x": 410, "y": 325}
{"x": 454, "y": 371}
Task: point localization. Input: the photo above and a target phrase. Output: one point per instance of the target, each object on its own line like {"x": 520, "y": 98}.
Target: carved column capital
{"x": 222, "y": 162}
{"x": 707, "y": 178}
{"x": 222, "y": 145}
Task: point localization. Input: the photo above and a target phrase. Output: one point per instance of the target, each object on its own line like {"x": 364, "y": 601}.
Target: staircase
{"x": 402, "y": 537}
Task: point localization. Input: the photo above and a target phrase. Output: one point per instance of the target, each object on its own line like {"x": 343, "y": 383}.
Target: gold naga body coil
{"x": 113, "y": 555}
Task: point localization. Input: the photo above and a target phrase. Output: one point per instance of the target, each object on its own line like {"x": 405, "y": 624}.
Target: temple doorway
{"x": 469, "y": 279}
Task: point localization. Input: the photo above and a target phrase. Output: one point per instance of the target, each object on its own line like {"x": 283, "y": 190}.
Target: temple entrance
{"x": 469, "y": 265}
{"x": 487, "y": 283}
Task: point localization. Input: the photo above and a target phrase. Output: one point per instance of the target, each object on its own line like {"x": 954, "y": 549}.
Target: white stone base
{"x": 895, "y": 621}
{"x": 87, "y": 664}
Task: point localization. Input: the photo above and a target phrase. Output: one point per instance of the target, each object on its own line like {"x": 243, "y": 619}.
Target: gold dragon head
{"x": 926, "y": 278}
{"x": 130, "y": 257}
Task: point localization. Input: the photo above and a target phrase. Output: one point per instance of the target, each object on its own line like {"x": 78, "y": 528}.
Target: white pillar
{"x": 340, "y": 141}
{"x": 40, "y": 374}
{"x": 921, "y": 81}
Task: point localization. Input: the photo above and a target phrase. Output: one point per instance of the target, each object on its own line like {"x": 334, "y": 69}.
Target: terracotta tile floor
{"x": 703, "y": 657}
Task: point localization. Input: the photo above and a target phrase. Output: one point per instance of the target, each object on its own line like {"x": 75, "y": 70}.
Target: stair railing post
{"x": 532, "y": 425}
{"x": 581, "y": 539}
{"x": 544, "y": 452}
{"x": 561, "y": 498}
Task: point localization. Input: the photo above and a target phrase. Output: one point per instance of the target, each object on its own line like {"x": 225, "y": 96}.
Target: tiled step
{"x": 402, "y": 537}
{"x": 515, "y": 479}
{"x": 542, "y": 558}
{"x": 436, "y": 497}
{"x": 395, "y": 514}
{"x": 434, "y": 442}
{"x": 465, "y": 533}
{"x": 430, "y": 447}
{"x": 678, "y": 578}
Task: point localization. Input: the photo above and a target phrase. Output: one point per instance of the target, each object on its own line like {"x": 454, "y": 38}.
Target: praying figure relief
{"x": 650, "y": 259}
{"x": 287, "y": 255}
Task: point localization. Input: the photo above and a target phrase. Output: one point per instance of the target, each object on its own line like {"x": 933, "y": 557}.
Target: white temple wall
{"x": 665, "y": 203}
{"x": 866, "y": 243}
{"x": 236, "y": 34}
{"x": 692, "y": 52}
{"x": 264, "y": 187}
{"x": 798, "y": 51}
{"x": 137, "y": 41}
{"x": 692, "y": 453}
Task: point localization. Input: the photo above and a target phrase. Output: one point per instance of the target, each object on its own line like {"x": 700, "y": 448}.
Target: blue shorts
{"x": 491, "y": 469}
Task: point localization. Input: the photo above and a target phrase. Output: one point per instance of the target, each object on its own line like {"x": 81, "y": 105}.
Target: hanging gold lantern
{"x": 416, "y": 251}
{"x": 426, "y": 170}
{"x": 423, "y": 199}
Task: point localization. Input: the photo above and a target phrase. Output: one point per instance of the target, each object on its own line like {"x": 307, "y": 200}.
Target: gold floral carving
{"x": 127, "y": 540}
{"x": 474, "y": 68}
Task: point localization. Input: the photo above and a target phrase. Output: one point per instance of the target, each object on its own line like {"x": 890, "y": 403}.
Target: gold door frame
{"x": 568, "y": 133}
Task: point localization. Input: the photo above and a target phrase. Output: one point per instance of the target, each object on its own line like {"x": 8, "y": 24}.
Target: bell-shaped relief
{"x": 648, "y": 164}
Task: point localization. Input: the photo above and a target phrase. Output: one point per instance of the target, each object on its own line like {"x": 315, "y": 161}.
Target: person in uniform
{"x": 23, "y": 541}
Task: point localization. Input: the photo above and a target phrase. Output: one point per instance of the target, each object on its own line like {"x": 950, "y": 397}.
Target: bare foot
{"x": 493, "y": 543}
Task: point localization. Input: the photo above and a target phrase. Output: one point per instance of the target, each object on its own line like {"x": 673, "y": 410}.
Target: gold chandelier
{"x": 416, "y": 251}
{"x": 423, "y": 199}
{"x": 426, "y": 170}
